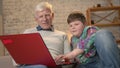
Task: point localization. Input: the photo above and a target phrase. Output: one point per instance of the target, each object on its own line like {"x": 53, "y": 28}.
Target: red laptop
{"x": 28, "y": 49}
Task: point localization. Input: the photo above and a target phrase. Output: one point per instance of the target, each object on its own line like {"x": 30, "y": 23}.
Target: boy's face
{"x": 76, "y": 28}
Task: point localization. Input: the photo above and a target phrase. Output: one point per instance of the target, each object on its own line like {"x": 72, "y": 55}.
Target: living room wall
{"x": 18, "y": 15}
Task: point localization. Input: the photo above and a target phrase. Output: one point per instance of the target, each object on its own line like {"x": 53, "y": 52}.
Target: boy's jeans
{"x": 107, "y": 50}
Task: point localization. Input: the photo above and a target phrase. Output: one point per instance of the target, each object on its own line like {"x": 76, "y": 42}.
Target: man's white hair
{"x": 43, "y": 5}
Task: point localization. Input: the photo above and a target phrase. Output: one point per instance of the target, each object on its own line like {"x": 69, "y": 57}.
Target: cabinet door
{"x": 104, "y": 16}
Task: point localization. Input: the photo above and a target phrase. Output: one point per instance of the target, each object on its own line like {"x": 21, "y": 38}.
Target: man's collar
{"x": 39, "y": 28}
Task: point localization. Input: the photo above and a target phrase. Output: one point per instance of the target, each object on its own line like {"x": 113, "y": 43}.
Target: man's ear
{"x": 85, "y": 24}
{"x": 35, "y": 18}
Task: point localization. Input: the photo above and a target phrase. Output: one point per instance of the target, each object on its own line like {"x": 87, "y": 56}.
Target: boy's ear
{"x": 85, "y": 24}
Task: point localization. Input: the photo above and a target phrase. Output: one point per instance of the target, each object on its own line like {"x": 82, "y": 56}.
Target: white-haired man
{"x": 56, "y": 41}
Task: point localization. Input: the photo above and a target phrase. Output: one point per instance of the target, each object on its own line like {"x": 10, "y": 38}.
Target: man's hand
{"x": 62, "y": 59}
{"x": 59, "y": 60}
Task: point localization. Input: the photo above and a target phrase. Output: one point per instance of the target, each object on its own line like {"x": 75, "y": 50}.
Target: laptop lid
{"x": 28, "y": 49}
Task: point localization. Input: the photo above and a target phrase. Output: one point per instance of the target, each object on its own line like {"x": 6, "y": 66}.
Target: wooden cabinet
{"x": 102, "y": 16}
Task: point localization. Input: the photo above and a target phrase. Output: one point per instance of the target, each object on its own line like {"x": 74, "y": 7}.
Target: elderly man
{"x": 56, "y": 41}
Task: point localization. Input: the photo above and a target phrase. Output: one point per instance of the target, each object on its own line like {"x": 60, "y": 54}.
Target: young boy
{"x": 92, "y": 48}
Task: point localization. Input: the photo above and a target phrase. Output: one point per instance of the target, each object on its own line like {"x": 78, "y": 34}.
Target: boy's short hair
{"x": 76, "y": 16}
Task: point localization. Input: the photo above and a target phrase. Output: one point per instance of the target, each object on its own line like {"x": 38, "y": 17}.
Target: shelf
{"x": 107, "y": 25}
{"x": 104, "y": 8}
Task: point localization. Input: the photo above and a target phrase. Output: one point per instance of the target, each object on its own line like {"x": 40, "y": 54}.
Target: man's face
{"x": 44, "y": 18}
{"x": 76, "y": 28}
